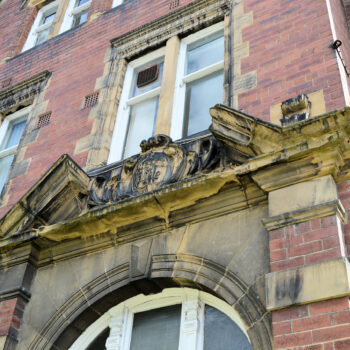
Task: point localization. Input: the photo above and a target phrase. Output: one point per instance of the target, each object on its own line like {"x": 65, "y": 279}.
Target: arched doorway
{"x": 175, "y": 319}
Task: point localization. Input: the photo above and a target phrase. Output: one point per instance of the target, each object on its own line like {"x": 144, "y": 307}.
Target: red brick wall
{"x": 319, "y": 326}
{"x": 289, "y": 47}
{"x": 316, "y": 326}
{"x": 76, "y": 60}
{"x": 347, "y": 10}
{"x": 14, "y": 27}
{"x": 306, "y": 243}
{"x": 11, "y": 312}
{"x": 342, "y": 32}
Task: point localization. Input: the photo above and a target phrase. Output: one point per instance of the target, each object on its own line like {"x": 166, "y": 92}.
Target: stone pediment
{"x": 168, "y": 176}
{"x": 59, "y": 195}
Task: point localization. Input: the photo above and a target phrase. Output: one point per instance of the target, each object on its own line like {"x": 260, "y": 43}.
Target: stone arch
{"x": 164, "y": 271}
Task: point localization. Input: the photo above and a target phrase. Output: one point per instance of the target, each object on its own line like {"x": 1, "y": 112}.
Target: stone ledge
{"x": 308, "y": 284}
{"x": 297, "y": 216}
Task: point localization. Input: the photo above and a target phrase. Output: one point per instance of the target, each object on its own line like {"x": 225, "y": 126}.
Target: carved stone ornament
{"x": 161, "y": 162}
{"x": 295, "y": 109}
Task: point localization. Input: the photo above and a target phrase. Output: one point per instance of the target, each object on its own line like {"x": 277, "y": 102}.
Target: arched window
{"x": 175, "y": 319}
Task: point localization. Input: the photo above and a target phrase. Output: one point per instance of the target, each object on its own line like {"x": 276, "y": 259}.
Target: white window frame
{"x": 6, "y": 127}
{"x": 123, "y": 115}
{"x": 71, "y": 12}
{"x": 120, "y": 318}
{"x": 117, "y": 3}
{"x": 178, "y": 113}
{"x": 37, "y": 28}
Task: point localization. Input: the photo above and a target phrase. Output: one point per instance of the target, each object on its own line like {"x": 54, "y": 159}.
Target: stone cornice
{"x": 281, "y": 156}
{"x": 185, "y": 20}
{"x": 22, "y": 93}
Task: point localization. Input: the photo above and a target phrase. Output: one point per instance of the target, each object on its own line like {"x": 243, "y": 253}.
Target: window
{"x": 76, "y": 14}
{"x": 198, "y": 86}
{"x": 11, "y": 131}
{"x": 41, "y": 26}
{"x": 199, "y": 83}
{"x": 176, "y": 319}
{"x": 138, "y": 107}
{"x": 117, "y": 3}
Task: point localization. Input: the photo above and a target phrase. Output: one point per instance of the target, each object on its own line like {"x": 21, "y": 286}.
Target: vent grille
{"x": 91, "y": 100}
{"x": 7, "y": 82}
{"x": 148, "y": 75}
{"x": 43, "y": 120}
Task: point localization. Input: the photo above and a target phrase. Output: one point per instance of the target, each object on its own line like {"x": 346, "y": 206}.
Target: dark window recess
{"x": 148, "y": 75}
{"x": 43, "y": 120}
{"x": 91, "y": 100}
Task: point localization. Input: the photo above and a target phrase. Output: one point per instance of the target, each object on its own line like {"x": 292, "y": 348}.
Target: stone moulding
{"x": 180, "y": 268}
{"x": 295, "y": 217}
{"x": 22, "y": 93}
{"x": 183, "y": 21}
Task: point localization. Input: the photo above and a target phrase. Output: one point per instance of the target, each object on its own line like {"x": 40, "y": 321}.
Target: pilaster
{"x": 308, "y": 288}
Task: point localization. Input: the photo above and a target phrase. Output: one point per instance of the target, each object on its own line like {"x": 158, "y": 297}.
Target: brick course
{"x": 302, "y": 244}
{"x": 11, "y": 312}
{"x": 323, "y": 325}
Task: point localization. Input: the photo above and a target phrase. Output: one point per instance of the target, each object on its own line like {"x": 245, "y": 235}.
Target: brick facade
{"x": 11, "y": 312}
{"x": 285, "y": 50}
{"x": 283, "y": 69}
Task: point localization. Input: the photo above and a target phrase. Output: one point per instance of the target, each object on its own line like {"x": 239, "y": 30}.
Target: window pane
{"x": 42, "y": 36}
{"x": 202, "y": 55}
{"x": 157, "y": 329}
{"x": 15, "y": 134}
{"x": 81, "y": 2}
{"x": 80, "y": 18}
{"x": 200, "y": 96}
{"x": 138, "y": 91}
{"x": 48, "y": 18}
{"x": 141, "y": 125}
{"x": 5, "y": 164}
{"x": 221, "y": 333}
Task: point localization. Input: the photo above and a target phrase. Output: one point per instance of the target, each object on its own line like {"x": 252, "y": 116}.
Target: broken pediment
{"x": 59, "y": 195}
{"x": 167, "y": 177}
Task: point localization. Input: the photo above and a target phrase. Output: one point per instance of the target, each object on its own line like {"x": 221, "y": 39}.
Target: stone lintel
{"x": 308, "y": 284}
{"x": 302, "y": 202}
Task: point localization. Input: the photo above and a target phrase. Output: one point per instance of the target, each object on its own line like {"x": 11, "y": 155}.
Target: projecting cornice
{"x": 174, "y": 183}
{"x": 187, "y": 19}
